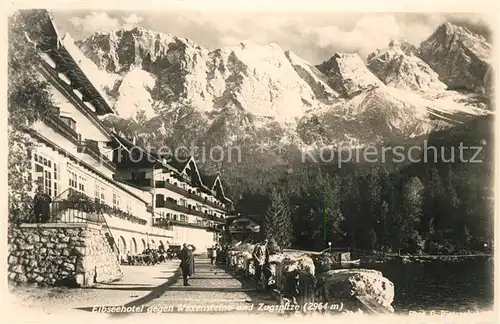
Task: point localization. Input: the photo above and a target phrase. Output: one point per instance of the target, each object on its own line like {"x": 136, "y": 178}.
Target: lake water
{"x": 441, "y": 285}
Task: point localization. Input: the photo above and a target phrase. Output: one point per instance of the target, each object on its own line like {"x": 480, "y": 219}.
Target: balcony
{"x": 168, "y": 223}
{"x": 185, "y": 210}
{"x": 185, "y": 193}
{"x": 91, "y": 148}
{"x": 56, "y": 123}
{"x": 78, "y": 207}
{"x": 139, "y": 182}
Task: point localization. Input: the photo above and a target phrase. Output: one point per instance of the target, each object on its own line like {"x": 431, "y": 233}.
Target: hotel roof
{"x": 174, "y": 165}
{"x": 66, "y": 63}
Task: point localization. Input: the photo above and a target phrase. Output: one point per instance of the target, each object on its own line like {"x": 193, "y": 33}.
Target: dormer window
{"x": 64, "y": 78}
{"x": 69, "y": 121}
{"x": 78, "y": 93}
{"x": 49, "y": 60}
{"x": 89, "y": 106}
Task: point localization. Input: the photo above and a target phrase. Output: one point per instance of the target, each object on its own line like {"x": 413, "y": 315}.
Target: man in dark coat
{"x": 187, "y": 262}
{"x": 42, "y": 206}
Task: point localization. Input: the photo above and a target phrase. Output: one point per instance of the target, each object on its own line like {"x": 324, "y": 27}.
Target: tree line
{"x": 428, "y": 207}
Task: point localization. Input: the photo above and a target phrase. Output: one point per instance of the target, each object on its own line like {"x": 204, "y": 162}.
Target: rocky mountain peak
{"x": 399, "y": 66}
{"x": 253, "y": 91}
{"x": 117, "y": 51}
{"x": 460, "y": 57}
{"x": 404, "y": 46}
{"x": 348, "y": 75}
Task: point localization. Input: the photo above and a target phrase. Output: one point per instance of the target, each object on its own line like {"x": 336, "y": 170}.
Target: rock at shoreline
{"x": 302, "y": 263}
{"x": 342, "y": 285}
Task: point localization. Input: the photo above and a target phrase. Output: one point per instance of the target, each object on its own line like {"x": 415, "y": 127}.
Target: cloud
{"x": 103, "y": 22}
{"x": 131, "y": 21}
{"x": 368, "y": 34}
{"x": 94, "y": 22}
{"x": 314, "y": 37}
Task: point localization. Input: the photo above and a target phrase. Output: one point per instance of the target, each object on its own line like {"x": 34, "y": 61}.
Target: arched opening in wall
{"x": 122, "y": 246}
{"x": 161, "y": 244}
{"x": 143, "y": 245}
{"x": 133, "y": 245}
{"x": 153, "y": 244}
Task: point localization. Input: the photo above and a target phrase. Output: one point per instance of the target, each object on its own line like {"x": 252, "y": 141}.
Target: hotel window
{"x": 116, "y": 200}
{"x": 99, "y": 193}
{"x": 57, "y": 177}
{"x": 183, "y": 202}
{"x": 76, "y": 182}
{"x": 48, "y": 174}
{"x": 82, "y": 183}
{"x": 129, "y": 206}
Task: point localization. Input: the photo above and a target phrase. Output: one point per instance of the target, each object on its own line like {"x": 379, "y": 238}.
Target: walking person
{"x": 260, "y": 257}
{"x": 213, "y": 254}
{"x": 187, "y": 262}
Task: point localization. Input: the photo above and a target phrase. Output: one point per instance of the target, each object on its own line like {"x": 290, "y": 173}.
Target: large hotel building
{"x": 150, "y": 201}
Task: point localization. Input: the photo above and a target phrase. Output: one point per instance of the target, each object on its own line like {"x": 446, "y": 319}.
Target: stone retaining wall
{"x": 61, "y": 255}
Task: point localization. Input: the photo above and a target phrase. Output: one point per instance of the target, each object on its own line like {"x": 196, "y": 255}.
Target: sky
{"x": 313, "y": 36}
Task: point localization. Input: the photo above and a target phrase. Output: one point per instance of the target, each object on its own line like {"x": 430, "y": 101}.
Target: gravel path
{"x": 148, "y": 289}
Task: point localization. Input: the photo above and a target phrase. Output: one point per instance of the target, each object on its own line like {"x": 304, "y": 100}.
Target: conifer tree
{"x": 277, "y": 221}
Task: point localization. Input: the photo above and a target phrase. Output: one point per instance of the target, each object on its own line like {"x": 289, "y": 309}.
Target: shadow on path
{"x": 249, "y": 287}
{"x": 155, "y": 293}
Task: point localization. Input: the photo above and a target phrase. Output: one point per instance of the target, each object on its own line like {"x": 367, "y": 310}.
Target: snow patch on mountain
{"x": 399, "y": 66}
{"x": 260, "y": 80}
{"x": 348, "y": 75}
{"x": 314, "y": 78}
{"x": 134, "y": 96}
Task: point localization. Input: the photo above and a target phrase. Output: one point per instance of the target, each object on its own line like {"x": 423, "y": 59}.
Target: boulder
{"x": 302, "y": 263}
{"x": 277, "y": 257}
{"x": 344, "y": 284}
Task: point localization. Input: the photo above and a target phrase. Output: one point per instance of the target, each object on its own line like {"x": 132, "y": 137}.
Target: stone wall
{"x": 61, "y": 255}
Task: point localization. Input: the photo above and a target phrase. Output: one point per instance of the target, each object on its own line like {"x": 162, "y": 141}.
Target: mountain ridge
{"x": 235, "y": 92}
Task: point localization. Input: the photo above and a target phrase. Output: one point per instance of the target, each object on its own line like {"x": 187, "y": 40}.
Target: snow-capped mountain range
{"x": 249, "y": 90}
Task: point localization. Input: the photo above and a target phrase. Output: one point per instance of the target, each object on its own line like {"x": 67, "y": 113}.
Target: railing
{"x": 186, "y": 193}
{"x": 140, "y": 182}
{"x": 186, "y": 210}
{"x": 65, "y": 211}
{"x": 80, "y": 208}
{"x": 168, "y": 223}
{"x": 70, "y": 208}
